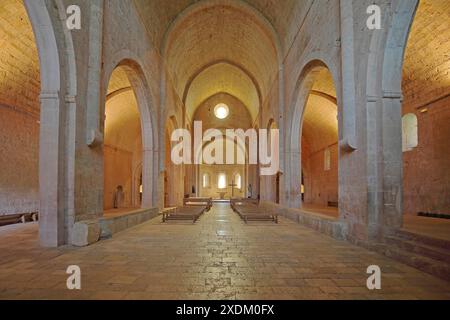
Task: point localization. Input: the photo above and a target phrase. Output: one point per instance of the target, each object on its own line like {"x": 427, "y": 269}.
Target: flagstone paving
{"x": 219, "y": 257}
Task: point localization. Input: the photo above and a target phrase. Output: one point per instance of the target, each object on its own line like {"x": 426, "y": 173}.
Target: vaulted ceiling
{"x": 426, "y": 71}
{"x": 213, "y": 46}
{"x": 286, "y": 16}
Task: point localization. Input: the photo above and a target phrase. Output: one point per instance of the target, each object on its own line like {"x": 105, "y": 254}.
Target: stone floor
{"x": 218, "y": 258}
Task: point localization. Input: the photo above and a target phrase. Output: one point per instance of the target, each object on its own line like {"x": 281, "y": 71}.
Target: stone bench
{"x": 330, "y": 226}
{"x": 87, "y": 232}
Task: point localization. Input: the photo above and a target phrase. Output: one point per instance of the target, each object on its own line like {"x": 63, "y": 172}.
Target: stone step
{"x": 427, "y": 240}
{"x": 419, "y": 248}
{"x": 431, "y": 266}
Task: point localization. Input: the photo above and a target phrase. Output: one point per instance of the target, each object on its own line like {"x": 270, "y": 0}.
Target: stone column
{"x": 392, "y": 160}
{"x": 51, "y": 178}
{"x": 147, "y": 179}
{"x": 295, "y": 199}
{"x": 348, "y": 77}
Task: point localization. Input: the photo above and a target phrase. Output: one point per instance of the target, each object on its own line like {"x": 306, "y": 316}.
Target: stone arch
{"x": 139, "y": 84}
{"x": 214, "y": 63}
{"x": 245, "y": 151}
{"x": 303, "y": 90}
{"x": 241, "y": 5}
{"x": 384, "y": 104}
{"x": 256, "y": 51}
{"x": 229, "y": 174}
{"x": 57, "y": 125}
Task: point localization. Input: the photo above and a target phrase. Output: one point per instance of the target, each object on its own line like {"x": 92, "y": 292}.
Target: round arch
{"x": 303, "y": 90}
{"x": 237, "y": 147}
{"x": 237, "y": 4}
{"x": 215, "y": 63}
{"x": 384, "y": 93}
{"x": 57, "y": 137}
{"x": 136, "y": 76}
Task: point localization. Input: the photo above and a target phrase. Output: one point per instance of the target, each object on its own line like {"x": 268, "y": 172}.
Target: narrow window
{"x": 238, "y": 181}
{"x": 222, "y": 181}
{"x": 206, "y": 182}
{"x": 327, "y": 159}
{"x": 410, "y": 135}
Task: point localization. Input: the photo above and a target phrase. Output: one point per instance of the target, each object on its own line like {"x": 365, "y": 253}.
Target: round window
{"x": 221, "y": 111}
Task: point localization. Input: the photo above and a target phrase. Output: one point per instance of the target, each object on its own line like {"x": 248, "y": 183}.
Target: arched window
{"x": 238, "y": 181}
{"x": 327, "y": 159}
{"x": 206, "y": 180}
{"x": 410, "y": 136}
{"x": 222, "y": 181}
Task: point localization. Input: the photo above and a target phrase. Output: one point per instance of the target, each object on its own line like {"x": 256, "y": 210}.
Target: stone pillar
{"x": 51, "y": 177}
{"x": 295, "y": 199}
{"x": 70, "y": 147}
{"x": 94, "y": 122}
{"x": 348, "y": 76}
{"x": 147, "y": 179}
{"x": 392, "y": 160}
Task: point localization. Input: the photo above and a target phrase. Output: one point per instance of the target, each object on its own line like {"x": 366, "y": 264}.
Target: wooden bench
{"x": 198, "y": 202}
{"x": 18, "y": 218}
{"x": 235, "y": 202}
{"x": 184, "y": 213}
{"x": 252, "y": 212}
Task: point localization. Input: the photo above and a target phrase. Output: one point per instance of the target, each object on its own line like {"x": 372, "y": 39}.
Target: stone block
{"x": 85, "y": 233}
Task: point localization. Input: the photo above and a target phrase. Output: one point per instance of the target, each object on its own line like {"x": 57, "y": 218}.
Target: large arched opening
{"x": 425, "y": 117}
{"x": 20, "y": 87}
{"x": 128, "y": 149}
{"x": 40, "y": 114}
{"x": 406, "y": 98}
{"x": 122, "y": 149}
{"x": 229, "y": 176}
{"x": 204, "y": 67}
{"x": 314, "y": 147}
{"x": 319, "y": 147}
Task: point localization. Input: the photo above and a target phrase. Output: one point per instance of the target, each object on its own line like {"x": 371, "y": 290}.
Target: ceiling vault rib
{"x": 117, "y": 92}
{"x": 223, "y": 61}
{"x": 324, "y": 95}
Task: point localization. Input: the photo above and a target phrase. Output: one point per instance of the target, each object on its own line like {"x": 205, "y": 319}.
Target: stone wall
{"x": 19, "y": 111}
{"x": 426, "y": 169}
{"x": 321, "y": 186}
{"x": 230, "y": 171}
{"x": 118, "y": 171}
{"x": 19, "y": 160}
{"x": 426, "y": 87}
